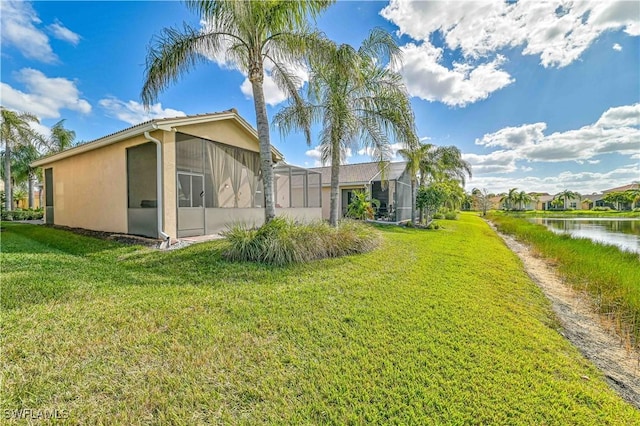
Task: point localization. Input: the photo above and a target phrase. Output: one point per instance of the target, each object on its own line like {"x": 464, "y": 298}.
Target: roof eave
{"x": 135, "y": 131}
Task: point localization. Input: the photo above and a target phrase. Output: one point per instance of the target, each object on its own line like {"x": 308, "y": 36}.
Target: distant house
{"x": 389, "y": 184}
{"x": 171, "y": 178}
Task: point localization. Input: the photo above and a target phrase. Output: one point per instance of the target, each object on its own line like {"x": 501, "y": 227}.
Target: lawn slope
{"x": 434, "y": 327}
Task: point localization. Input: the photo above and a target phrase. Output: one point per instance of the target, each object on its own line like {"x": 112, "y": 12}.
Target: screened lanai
{"x": 218, "y": 185}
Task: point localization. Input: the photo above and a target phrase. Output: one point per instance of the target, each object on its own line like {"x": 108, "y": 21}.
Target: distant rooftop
{"x": 361, "y": 173}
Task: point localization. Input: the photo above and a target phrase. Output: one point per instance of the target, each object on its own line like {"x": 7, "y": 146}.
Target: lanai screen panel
{"x": 232, "y": 175}
{"x": 314, "y": 191}
{"x": 296, "y": 187}
{"x": 142, "y": 190}
{"x": 403, "y": 197}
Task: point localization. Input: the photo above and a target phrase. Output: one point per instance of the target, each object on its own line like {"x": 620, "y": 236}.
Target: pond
{"x": 621, "y": 232}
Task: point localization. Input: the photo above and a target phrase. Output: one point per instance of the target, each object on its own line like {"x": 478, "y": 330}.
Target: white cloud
{"x": 557, "y": 32}
{"x": 616, "y": 131}
{"x": 623, "y": 116}
{"x": 427, "y": 79}
{"x": 133, "y": 112}
{"x": 45, "y": 96}
{"x": 18, "y": 23}
{"x": 582, "y": 182}
{"x": 59, "y": 31}
{"x": 617, "y": 47}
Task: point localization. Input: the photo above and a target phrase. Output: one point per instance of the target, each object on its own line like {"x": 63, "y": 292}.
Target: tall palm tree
{"x": 567, "y": 195}
{"x": 356, "y": 98}
{"x": 15, "y": 130}
{"x": 61, "y": 138}
{"x": 248, "y": 34}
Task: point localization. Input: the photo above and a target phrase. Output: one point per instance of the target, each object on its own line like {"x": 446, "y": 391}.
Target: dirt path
{"x": 583, "y": 327}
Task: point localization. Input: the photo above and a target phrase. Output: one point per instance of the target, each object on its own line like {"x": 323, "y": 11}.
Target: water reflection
{"x": 621, "y": 232}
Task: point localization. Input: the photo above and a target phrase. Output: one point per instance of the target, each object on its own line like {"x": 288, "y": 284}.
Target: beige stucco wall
{"x": 229, "y": 132}
{"x": 170, "y": 213}
{"x": 90, "y": 189}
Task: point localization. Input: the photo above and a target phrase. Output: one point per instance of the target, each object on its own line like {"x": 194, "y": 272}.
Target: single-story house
{"x": 388, "y": 183}
{"x": 171, "y": 178}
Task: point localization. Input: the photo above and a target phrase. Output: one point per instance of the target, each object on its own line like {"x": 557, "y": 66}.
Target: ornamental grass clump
{"x": 282, "y": 241}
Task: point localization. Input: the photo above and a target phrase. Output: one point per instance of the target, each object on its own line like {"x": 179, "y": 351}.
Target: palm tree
{"x": 567, "y": 195}
{"x": 510, "y": 199}
{"x": 22, "y": 157}
{"x": 249, "y": 34}
{"x": 15, "y": 130}
{"x": 440, "y": 163}
{"x": 61, "y": 138}
{"x": 356, "y": 98}
{"x": 523, "y": 199}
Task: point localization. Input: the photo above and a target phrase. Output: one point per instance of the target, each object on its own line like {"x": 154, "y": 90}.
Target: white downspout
{"x": 159, "y": 188}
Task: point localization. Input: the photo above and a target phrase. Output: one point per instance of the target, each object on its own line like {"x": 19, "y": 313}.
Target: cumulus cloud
{"x": 133, "y": 112}
{"x": 582, "y": 182}
{"x": 44, "y": 96}
{"x": 557, "y": 32}
{"x": 616, "y": 131}
{"x": 617, "y": 47}
{"x": 20, "y": 27}
{"x": 59, "y": 31}
{"x": 427, "y": 79}
{"x": 18, "y": 22}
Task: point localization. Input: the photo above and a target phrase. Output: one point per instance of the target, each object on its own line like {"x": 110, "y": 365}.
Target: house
{"x": 171, "y": 178}
{"x": 388, "y": 183}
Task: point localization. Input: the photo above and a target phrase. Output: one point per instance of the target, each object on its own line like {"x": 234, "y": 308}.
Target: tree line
{"x": 22, "y": 145}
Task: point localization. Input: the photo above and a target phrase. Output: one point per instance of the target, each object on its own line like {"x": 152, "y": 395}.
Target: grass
{"x": 608, "y": 274}
{"x": 432, "y": 328}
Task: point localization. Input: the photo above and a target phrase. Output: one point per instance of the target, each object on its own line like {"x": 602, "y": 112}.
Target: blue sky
{"x": 537, "y": 95}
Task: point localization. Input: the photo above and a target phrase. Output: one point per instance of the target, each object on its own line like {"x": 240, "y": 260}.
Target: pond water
{"x": 621, "y": 232}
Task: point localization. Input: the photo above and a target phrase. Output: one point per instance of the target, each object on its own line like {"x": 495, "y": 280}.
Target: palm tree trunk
{"x": 30, "y": 192}
{"x": 8, "y": 203}
{"x": 335, "y": 176}
{"x": 266, "y": 161}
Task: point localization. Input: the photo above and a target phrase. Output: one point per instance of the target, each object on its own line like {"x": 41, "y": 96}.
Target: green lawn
{"x": 436, "y": 327}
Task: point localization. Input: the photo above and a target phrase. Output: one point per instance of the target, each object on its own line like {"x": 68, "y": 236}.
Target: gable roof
{"x": 361, "y": 173}
{"x": 167, "y": 124}
{"x": 622, "y": 188}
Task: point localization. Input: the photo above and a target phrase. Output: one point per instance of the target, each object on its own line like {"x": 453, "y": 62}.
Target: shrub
{"x": 283, "y": 241}
{"x": 438, "y": 216}
{"x": 20, "y": 214}
{"x": 451, "y": 215}
{"x": 601, "y": 209}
